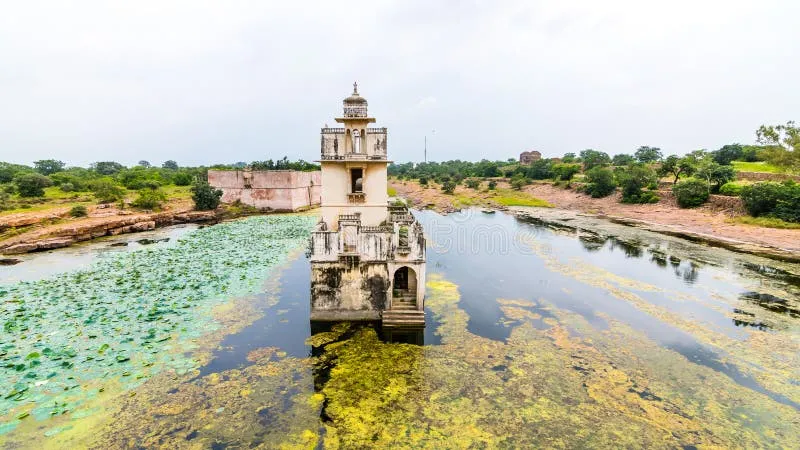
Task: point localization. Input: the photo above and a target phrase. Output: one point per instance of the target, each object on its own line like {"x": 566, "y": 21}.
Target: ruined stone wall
{"x": 763, "y": 176}
{"x": 344, "y": 290}
{"x": 279, "y": 190}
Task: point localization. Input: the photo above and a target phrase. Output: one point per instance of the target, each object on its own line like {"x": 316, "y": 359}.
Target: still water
{"x": 537, "y": 335}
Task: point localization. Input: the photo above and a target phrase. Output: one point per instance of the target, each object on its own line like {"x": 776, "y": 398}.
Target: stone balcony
{"x": 356, "y": 197}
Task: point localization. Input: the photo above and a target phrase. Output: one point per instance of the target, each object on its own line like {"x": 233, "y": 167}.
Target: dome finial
{"x": 355, "y": 88}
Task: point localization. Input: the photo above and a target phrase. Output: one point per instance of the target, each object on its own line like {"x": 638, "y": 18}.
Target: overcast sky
{"x": 210, "y": 81}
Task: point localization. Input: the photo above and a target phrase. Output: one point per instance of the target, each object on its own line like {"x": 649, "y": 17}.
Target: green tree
{"x": 170, "y": 164}
{"x": 539, "y": 170}
{"x": 205, "y": 196}
{"x": 782, "y": 144}
{"x": 676, "y": 166}
{"x": 645, "y": 154}
{"x": 632, "y": 180}
{"x": 714, "y": 173}
{"x": 144, "y": 163}
{"x": 48, "y": 166}
{"x": 565, "y": 172}
{"x": 31, "y": 184}
{"x": 150, "y": 198}
{"x": 593, "y": 158}
{"x": 106, "y": 190}
{"x": 107, "y": 167}
{"x": 568, "y": 157}
{"x": 600, "y": 182}
{"x": 492, "y": 185}
{"x": 472, "y": 183}
{"x": 183, "y": 178}
{"x": 622, "y": 159}
{"x": 728, "y": 153}
{"x": 8, "y": 171}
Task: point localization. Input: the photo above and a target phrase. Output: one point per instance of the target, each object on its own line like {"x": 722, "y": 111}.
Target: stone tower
{"x": 367, "y": 257}
{"x": 354, "y": 166}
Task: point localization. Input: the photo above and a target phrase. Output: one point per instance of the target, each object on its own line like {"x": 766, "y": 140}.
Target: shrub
{"x": 423, "y": 181}
{"x": 448, "y": 186}
{"x": 788, "y": 207}
{"x": 600, "y": 182}
{"x": 67, "y": 187}
{"x": 632, "y": 180}
{"x": 565, "y": 172}
{"x": 492, "y": 185}
{"x": 4, "y": 200}
{"x": 150, "y": 199}
{"x": 761, "y": 198}
{"x": 731, "y": 189}
{"x": 790, "y": 200}
{"x": 78, "y": 211}
{"x": 780, "y": 200}
{"x": 690, "y": 192}
{"x": 32, "y": 184}
{"x": 472, "y": 183}
{"x": 205, "y": 196}
{"x": 183, "y": 179}
{"x": 107, "y": 191}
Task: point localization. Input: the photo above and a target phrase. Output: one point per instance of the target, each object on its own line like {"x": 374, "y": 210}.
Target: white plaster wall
{"x": 336, "y": 186}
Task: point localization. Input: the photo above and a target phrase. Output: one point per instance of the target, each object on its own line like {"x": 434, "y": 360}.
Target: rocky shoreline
{"x": 577, "y": 220}
{"x": 82, "y": 231}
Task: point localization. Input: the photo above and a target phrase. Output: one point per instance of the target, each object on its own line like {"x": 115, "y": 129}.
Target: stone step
{"x": 403, "y": 312}
{"x": 396, "y": 306}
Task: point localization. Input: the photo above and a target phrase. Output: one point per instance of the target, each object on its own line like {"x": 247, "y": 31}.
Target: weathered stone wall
{"x": 279, "y": 190}
{"x": 763, "y": 176}
{"x": 342, "y": 290}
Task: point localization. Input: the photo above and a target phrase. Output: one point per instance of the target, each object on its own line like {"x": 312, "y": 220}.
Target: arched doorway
{"x": 404, "y": 287}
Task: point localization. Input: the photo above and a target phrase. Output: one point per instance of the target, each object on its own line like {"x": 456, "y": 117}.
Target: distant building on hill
{"x": 529, "y": 157}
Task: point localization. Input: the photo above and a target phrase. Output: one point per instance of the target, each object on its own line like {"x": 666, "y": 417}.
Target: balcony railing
{"x": 356, "y": 197}
{"x": 352, "y": 157}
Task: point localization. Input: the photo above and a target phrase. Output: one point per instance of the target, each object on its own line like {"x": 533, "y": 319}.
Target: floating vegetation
{"x": 128, "y": 316}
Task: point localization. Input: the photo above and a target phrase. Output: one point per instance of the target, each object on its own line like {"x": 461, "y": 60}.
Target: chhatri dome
{"x": 355, "y": 97}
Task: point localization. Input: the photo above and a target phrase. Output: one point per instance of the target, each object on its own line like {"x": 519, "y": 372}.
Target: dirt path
{"x": 706, "y": 222}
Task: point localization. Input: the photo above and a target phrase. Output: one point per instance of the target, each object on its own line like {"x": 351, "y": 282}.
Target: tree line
{"x": 695, "y": 176}
{"x": 110, "y": 181}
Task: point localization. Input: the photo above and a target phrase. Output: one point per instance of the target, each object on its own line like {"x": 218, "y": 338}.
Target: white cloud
{"x": 207, "y": 81}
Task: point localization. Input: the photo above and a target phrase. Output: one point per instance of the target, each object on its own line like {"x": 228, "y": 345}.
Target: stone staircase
{"x": 404, "y": 314}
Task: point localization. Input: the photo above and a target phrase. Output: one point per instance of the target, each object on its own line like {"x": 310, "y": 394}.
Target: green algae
{"x": 129, "y": 316}
{"x": 549, "y": 388}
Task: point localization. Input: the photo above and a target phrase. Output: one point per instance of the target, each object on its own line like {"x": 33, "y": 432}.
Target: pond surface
{"x": 538, "y": 335}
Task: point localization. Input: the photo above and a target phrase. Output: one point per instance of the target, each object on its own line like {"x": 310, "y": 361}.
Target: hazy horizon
{"x": 203, "y": 82}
